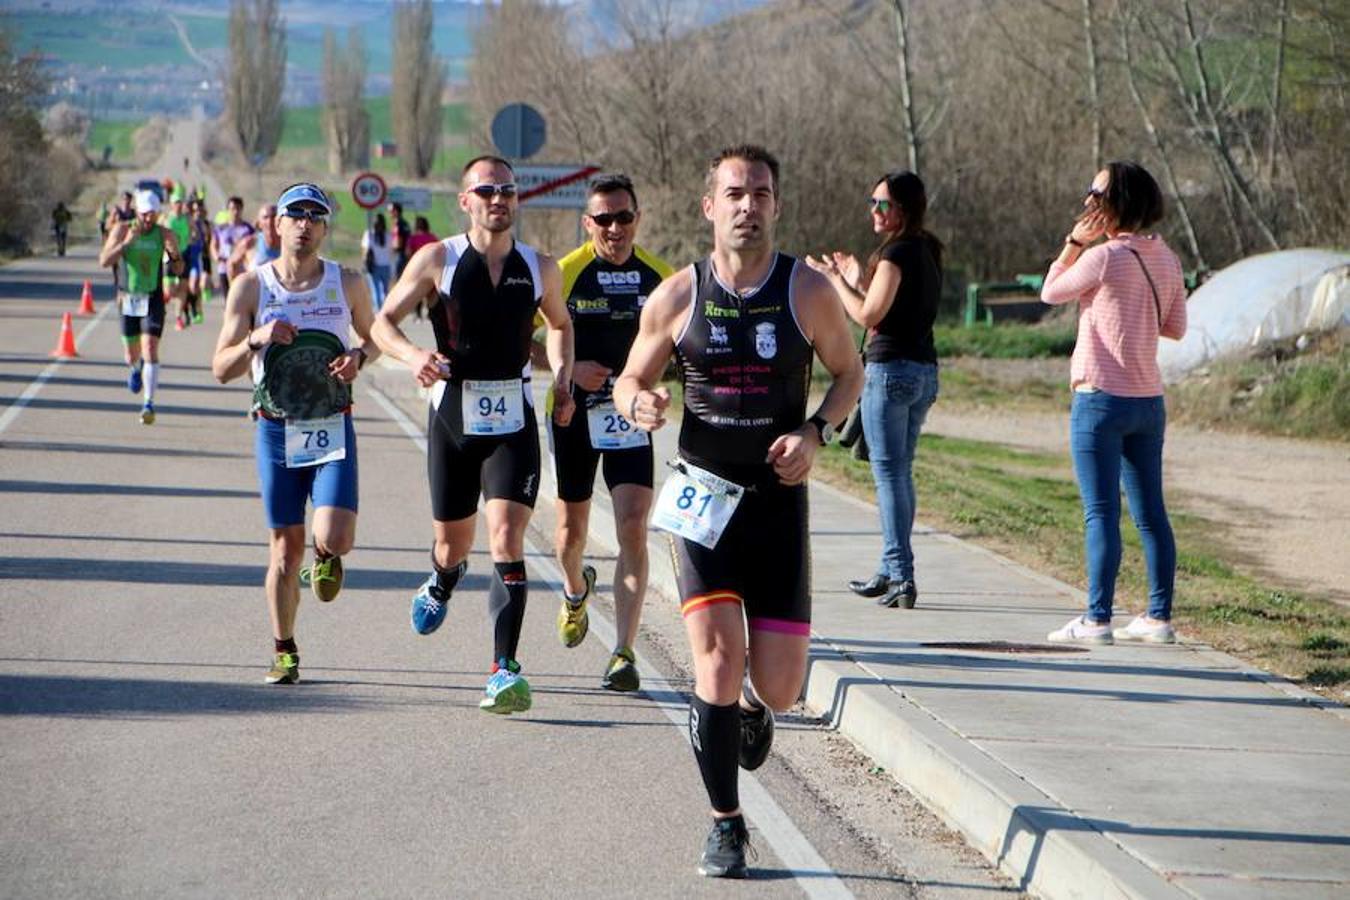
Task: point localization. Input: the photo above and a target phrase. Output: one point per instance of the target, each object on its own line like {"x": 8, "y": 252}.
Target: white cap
{"x": 147, "y": 201}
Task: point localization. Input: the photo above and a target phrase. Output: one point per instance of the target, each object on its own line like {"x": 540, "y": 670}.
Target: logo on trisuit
{"x": 296, "y": 383}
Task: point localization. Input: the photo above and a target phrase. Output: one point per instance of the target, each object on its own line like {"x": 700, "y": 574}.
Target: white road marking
{"x": 813, "y": 874}
{"x": 9, "y": 415}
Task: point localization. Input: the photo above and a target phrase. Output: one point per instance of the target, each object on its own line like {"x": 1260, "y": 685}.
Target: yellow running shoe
{"x": 324, "y": 578}
{"x": 285, "y": 669}
{"x": 573, "y": 620}
{"x": 622, "y": 674}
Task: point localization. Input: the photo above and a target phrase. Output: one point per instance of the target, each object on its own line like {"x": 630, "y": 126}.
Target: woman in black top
{"x": 895, "y": 298}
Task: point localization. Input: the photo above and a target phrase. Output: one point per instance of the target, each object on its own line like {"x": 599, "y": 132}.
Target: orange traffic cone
{"x": 65, "y": 344}
{"x": 87, "y": 300}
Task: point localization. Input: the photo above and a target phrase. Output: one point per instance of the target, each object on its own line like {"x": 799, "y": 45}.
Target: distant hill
{"x": 138, "y": 57}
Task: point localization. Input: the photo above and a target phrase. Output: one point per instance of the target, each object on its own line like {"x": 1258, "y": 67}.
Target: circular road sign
{"x": 368, "y": 190}
{"x": 518, "y": 130}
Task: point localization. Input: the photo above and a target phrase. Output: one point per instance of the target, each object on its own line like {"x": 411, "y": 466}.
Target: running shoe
{"x": 429, "y": 606}
{"x": 148, "y": 414}
{"x": 622, "y": 674}
{"x": 507, "y": 690}
{"x": 198, "y": 318}
{"x": 178, "y": 324}
{"x": 724, "y": 853}
{"x": 134, "y": 380}
{"x": 324, "y": 578}
{"x": 573, "y": 620}
{"x": 756, "y": 737}
{"x": 285, "y": 669}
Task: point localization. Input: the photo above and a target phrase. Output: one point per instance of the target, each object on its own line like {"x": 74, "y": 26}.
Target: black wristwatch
{"x": 823, "y": 428}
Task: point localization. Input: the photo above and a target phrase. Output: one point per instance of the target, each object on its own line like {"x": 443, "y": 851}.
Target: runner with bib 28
{"x": 290, "y": 323}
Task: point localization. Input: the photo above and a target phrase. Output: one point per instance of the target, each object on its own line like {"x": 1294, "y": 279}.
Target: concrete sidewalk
{"x": 1124, "y": 771}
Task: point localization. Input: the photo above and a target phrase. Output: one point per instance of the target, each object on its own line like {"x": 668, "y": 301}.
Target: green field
{"x": 100, "y": 38}
{"x": 115, "y": 134}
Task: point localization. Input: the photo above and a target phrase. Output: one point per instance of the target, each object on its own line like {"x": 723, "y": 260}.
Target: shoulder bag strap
{"x": 1157, "y": 304}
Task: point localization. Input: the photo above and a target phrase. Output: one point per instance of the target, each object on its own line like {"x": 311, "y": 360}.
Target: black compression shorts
{"x": 762, "y": 560}
{"x": 152, "y": 323}
{"x": 575, "y": 460}
{"x": 459, "y": 468}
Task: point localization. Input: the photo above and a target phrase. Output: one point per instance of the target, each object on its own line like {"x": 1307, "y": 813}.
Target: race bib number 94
{"x": 611, "y": 431}
{"x": 312, "y": 442}
{"x": 696, "y": 504}
{"x": 493, "y": 407}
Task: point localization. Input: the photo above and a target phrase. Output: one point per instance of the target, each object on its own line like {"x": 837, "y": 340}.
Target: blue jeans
{"x": 1115, "y": 440}
{"x": 896, "y": 397}
{"x": 379, "y": 276}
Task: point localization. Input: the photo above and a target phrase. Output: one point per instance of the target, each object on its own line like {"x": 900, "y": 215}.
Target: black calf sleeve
{"x": 506, "y": 606}
{"x": 715, "y": 732}
{"x": 446, "y": 579}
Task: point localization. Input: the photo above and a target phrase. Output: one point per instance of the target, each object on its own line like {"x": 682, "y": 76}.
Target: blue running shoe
{"x": 429, "y": 606}
{"x": 134, "y": 380}
{"x": 507, "y": 690}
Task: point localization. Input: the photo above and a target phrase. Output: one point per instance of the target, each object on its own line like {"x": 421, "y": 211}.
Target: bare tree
{"x": 912, "y": 138}
{"x": 418, "y": 83}
{"x": 257, "y": 73}
{"x": 1094, "y": 92}
{"x": 345, "y": 119}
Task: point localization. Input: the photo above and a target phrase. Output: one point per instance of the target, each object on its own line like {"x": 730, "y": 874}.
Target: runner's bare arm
{"x": 559, "y": 340}
{"x": 177, "y": 265}
{"x": 636, "y": 395}
{"x": 233, "y": 352}
{"x": 417, "y": 283}
{"x": 236, "y": 264}
{"x": 357, "y": 291}
{"x": 112, "y": 247}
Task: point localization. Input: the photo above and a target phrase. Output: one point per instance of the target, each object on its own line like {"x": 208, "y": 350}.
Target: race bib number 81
{"x": 696, "y": 504}
{"x": 312, "y": 442}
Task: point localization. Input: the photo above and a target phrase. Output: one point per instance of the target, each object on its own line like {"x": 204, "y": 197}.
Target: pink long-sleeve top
{"x": 1118, "y": 324}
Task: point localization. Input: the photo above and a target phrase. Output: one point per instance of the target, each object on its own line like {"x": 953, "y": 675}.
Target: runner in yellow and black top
{"x": 142, "y": 244}
{"x": 606, "y": 281}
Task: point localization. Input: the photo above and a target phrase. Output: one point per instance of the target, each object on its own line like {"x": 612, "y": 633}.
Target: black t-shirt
{"x": 906, "y": 331}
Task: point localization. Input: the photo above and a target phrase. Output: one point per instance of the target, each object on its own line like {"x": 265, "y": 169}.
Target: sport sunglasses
{"x": 488, "y": 191}
{"x": 318, "y": 217}
{"x": 604, "y": 220}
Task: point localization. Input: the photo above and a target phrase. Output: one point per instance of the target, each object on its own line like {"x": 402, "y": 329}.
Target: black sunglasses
{"x": 604, "y": 220}
{"x": 488, "y": 191}
{"x": 318, "y": 217}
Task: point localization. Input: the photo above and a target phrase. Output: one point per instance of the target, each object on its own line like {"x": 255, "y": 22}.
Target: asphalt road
{"x": 141, "y": 754}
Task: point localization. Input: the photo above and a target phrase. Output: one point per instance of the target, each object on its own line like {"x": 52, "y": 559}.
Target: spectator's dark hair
{"x": 396, "y": 208}
{"x": 753, "y": 153}
{"x": 380, "y": 228}
{"x": 235, "y": 200}
{"x": 421, "y": 224}
{"x": 486, "y": 157}
{"x": 612, "y": 182}
{"x": 911, "y": 197}
{"x": 127, "y": 195}
{"x": 1132, "y": 196}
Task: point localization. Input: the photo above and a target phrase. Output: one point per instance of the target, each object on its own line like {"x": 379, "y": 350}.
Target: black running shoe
{"x": 872, "y": 587}
{"x": 756, "y": 737}
{"x": 724, "y": 854}
{"x": 901, "y": 593}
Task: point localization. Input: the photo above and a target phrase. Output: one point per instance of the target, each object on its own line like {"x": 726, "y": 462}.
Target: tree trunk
{"x": 1094, "y": 93}
{"x": 906, "y": 94}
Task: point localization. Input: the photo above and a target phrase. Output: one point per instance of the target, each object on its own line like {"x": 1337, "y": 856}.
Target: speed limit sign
{"x": 368, "y": 190}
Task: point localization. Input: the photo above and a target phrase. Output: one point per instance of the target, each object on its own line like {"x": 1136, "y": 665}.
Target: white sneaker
{"x": 1080, "y": 632}
{"x": 1151, "y": 632}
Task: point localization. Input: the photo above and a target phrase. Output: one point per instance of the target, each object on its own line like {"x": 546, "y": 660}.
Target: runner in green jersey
{"x": 179, "y": 221}
{"x": 142, "y": 244}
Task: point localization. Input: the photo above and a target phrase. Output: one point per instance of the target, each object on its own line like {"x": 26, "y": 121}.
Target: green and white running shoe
{"x": 507, "y": 690}
{"x": 285, "y": 669}
{"x": 324, "y": 578}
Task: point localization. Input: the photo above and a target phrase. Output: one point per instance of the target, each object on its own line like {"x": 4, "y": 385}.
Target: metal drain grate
{"x": 1001, "y": 647}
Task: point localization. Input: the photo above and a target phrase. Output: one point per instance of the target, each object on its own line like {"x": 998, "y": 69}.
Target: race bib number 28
{"x": 611, "y": 431}
{"x": 696, "y": 504}
{"x": 312, "y": 442}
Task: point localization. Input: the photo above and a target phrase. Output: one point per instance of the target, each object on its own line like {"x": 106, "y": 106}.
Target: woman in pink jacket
{"x": 1129, "y": 291}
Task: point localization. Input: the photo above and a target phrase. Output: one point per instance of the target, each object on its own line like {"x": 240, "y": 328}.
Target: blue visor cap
{"x": 304, "y": 193}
